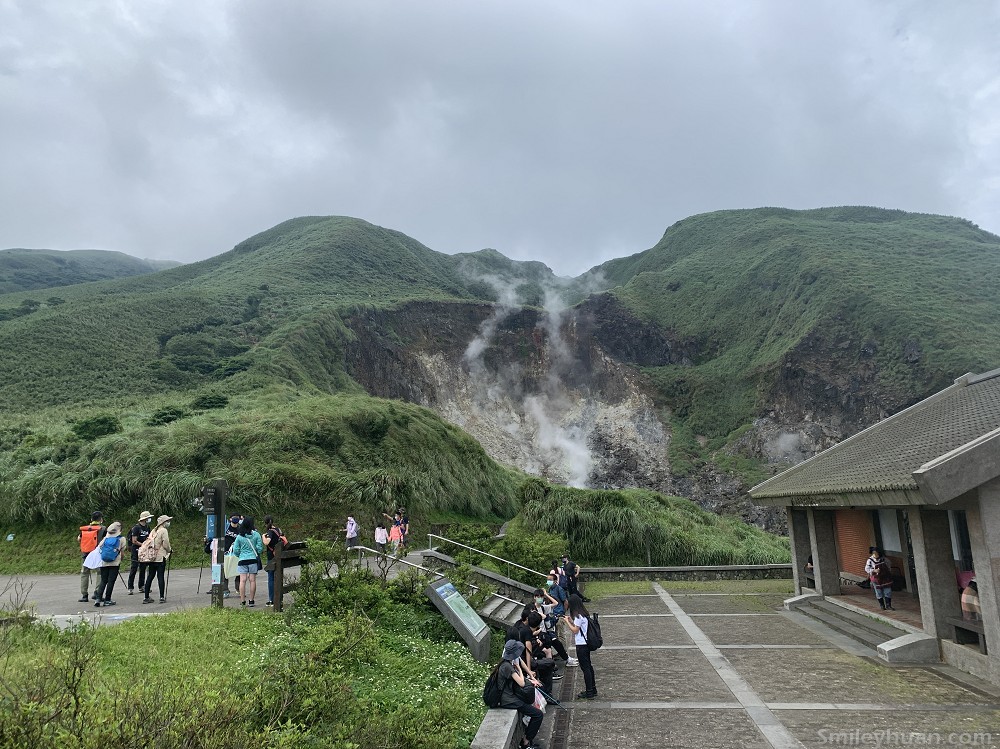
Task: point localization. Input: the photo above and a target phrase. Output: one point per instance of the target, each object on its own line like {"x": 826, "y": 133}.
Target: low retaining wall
{"x": 721, "y": 572}
{"x": 500, "y": 729}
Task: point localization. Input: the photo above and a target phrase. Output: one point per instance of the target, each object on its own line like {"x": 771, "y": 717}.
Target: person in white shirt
{"x": 578, "y": 619}
{"x": 381, "y": 537}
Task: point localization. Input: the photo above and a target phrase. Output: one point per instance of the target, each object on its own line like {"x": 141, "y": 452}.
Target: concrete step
{"x": 509, "y": 608}
{"x": 490, "y": 607}
{"x": 877, "y": 627}
{"x": 860, "y": 628}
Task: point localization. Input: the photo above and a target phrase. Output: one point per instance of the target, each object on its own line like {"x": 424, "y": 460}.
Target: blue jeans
{"x": 270, "y": 585}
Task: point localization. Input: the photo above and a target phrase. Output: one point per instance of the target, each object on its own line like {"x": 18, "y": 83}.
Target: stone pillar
{"x": 939, "y": 599}
{"x": 907, "y": 575}
{"x": 984, "y": 533}
{"x": 798, "y": 536}
{"x": 822, "y": 538}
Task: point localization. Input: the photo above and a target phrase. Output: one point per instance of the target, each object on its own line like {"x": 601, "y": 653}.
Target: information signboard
{"x": 462, "y": 616}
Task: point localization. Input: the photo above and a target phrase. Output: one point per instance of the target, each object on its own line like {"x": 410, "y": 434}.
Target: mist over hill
{"x": 742, "y": 341}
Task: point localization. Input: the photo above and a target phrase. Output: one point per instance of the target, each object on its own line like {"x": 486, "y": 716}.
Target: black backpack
{"x": 594, "y": 639}
{"x": 493, "y": 690}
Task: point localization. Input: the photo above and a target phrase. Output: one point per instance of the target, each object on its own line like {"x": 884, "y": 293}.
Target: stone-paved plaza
{"x": 700, "y": 668}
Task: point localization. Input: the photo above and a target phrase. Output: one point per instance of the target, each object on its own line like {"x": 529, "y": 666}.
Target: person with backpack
{"x": 274, "y": 540}
{"x": 517, "y": 693}
{"x": 571, "y": 574}
{"x": 547, "y": 632}
{"x": 111, "y": 548}
{"x": 136, "y": 537}
{"x": 90, "y": 535}
{"x": 158, "y": 549}
{"x": 248, "y": 548}
{"x": 578, "y": 620}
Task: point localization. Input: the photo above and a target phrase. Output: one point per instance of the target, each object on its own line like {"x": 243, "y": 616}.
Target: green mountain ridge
{"x": 843, "y": 312}
{"x": 35, "y": 270}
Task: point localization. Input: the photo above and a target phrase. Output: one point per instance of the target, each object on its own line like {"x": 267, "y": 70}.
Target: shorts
{"x": 248, "y": 568}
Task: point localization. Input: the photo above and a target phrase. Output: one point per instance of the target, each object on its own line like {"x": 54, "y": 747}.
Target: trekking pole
{"x": 551, "y": 700}
{"x": 166, "y": 585}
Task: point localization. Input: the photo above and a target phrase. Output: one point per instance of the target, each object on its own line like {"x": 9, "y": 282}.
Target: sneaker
{"x": 162, "y": 599}
{"x": 269, "y": 603}
{"x": 557, "y": 677}
{"x": 225, "y": 594}
{"x": 97, "y": 605}
{"x": 85, "y": 599}
{"x": 131, "y": 591}
{"x": 586, "y": 695}
{"x": 111, "y": 603}
{"x": 251, "y": 604}
{"x": 572, "y": 662}
{"x": 147, "y": 600}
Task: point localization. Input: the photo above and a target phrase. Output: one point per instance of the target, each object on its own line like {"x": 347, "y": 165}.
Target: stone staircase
{"x": 867, "y": 630}
{"x": 501, "y": 611}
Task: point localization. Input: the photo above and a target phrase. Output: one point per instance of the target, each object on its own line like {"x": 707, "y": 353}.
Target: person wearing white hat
{"x": 139, "y": 533}
{"x": 161, "y": 551}
{"x": 111, "y": 558}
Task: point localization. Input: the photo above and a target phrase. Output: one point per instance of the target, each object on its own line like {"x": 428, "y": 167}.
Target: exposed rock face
{"x": 536, "y": 389}
{"x": 558, "y": 394}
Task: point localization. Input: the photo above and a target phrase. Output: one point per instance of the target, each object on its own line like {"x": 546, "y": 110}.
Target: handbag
{"x": 229, "y": 564}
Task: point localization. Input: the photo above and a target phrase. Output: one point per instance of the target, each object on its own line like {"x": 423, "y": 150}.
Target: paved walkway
{"x": 710, "y": 670}
{"x": 55, "y": 597}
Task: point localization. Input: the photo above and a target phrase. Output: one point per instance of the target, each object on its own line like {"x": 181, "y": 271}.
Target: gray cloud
{"x": 568, "y": 132}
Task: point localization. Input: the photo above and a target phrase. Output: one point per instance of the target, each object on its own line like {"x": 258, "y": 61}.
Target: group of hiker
{"x": 392, "y": 540}
{"x": 524, "y": 677}
{"x": 103, "y": 549}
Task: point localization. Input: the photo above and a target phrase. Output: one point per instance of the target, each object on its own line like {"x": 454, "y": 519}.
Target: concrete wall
{"x": 724, "y": 572}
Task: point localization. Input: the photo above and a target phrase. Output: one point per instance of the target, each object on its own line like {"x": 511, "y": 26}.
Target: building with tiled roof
{"x": 924, "y": 486}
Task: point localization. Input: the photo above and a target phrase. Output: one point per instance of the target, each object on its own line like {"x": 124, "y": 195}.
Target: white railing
{"x": 365, "y": 549}
{"x": 485, "y": 554}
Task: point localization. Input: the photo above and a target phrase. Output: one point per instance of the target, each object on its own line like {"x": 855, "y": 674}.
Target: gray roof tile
{"x": 884, "y": 456}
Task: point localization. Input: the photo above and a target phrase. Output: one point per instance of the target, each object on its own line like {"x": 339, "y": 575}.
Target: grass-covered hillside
{"x": 266, "y": 310}
{"x": 910, "y": 300}
{"x": 32, "y": 270}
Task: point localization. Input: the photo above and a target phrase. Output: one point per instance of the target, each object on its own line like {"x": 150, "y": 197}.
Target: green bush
{"x": 166, "y": 415}
{"x": 96, "y": 426}
{"x": 209, "y": 401}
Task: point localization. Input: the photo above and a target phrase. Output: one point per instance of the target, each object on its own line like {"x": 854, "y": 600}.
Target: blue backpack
{"x": 109, "y": 552}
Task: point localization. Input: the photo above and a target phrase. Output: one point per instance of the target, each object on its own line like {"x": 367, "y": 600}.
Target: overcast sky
{"x": 563, "y": 131}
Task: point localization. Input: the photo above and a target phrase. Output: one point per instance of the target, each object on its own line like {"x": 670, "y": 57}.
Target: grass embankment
{"x": 321, "y": 455}
{"x": 357, "y": 663}
{"x": 640, "y": 528}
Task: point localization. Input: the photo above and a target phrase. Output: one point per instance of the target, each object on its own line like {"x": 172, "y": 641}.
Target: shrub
{"x": 209, "y": 401}
{"x": 166, "y": 415}
{"x": 96, "y": 426}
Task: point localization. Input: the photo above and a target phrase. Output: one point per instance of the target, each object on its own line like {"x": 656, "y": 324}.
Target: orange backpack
{"x": 88, "y": 537}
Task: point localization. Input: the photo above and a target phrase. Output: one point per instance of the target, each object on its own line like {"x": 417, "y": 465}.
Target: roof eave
{"x": 961, "y": 469}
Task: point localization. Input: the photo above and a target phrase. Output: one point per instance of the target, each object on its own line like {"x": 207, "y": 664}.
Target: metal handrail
{"x": 362, "y": 549}
{"x": 484, "y": 553}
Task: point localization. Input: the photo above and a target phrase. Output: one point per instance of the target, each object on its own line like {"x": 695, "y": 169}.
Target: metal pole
{"x": 200, "y": 570}
{"x": 166, "y": 585}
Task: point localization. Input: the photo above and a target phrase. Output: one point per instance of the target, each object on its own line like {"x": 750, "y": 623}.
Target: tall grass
{"x": 308, "y": 453}
{"x": 636, "y": 528}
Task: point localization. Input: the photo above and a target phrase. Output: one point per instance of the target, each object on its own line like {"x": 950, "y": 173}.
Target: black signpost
{"x": 213, "y": 502}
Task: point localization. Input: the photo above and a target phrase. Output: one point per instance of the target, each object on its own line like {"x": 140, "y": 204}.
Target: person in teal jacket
{"x": 248, "y": 548}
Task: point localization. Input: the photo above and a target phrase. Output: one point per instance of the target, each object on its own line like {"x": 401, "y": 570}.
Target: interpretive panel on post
{"x": 454, "y": 600}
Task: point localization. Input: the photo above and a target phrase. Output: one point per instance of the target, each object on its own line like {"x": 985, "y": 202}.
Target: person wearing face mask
{"x": 547, "y": 630}
{"x": 161, "y": 552}
{"x": 556, "y": 595}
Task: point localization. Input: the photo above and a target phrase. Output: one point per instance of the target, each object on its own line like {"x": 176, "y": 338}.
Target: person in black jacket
{"x": 516, "y": 688}
{"x": 136, "y": 536}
